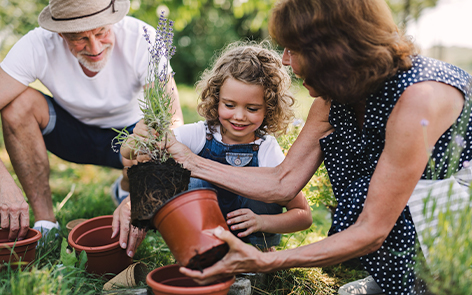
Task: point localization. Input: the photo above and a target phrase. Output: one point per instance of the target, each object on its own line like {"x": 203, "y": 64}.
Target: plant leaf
{"x": 68, "y": 259}
{"x": 82, "y": 260}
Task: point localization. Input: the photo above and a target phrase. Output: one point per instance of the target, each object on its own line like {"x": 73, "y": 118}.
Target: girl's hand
{"x": 245, "y": 219}
{"x": 240, "y": 258}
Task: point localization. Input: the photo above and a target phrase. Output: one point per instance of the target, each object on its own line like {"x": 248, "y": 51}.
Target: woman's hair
{"x": 346, "y": 48}
{"x": 256, "y": 64}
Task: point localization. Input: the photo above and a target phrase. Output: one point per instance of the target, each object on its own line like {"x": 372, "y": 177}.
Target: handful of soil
{"x": 151, "y": 185}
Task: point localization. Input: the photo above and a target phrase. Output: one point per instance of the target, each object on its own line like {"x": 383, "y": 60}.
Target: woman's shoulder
{"x": 430, "y": 69}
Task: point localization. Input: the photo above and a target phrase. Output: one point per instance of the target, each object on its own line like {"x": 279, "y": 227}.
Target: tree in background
{"x": 201, "y": 26}
{"x": 406, "y": 10}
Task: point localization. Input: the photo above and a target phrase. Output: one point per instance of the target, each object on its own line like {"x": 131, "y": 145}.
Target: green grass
{"x": 83, "y": 191}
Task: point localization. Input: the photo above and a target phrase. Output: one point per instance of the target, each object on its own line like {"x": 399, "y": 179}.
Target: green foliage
{"x": 405, "y": 10}
{"x": 205, "y": 26}
{"x": 17, "y": 17}
{"x": 157, "y": 103}
{"x": 447, "y": 238}
{"x": 448, "y": 267}
{"x": 318, "y": 190}
{"x": 46, "y": 276}
{"x": 202, "y": 26}
{"x": 68, "y": 258}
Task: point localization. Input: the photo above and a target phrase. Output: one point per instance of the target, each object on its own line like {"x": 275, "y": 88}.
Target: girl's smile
{"x": 241, "y": 111}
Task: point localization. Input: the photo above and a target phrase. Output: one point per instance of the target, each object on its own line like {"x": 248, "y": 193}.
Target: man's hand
{"x": 14, "y": 210}
{"x": 130, "y": 236}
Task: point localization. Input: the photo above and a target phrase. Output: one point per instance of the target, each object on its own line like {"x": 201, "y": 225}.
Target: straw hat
{"x": 73, "y": 16}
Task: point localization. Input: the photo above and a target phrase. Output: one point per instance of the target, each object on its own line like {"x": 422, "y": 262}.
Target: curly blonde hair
{"x": 256, "y": 64}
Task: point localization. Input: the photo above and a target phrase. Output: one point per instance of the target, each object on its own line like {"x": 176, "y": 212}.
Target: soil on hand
{"x": 151, "y": 185}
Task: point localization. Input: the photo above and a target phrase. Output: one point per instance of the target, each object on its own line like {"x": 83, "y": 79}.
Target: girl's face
{"x": 290, "y": 58}
{"x": 241, "y": 110}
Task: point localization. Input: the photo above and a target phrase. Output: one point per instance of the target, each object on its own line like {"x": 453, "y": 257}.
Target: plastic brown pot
{"x": 167, "y": 280}
{"x": 20, "y": 252}
{"x": 184, "y": 222}
{"x": 104, "y": 255}
{"x": 73, "y": 223}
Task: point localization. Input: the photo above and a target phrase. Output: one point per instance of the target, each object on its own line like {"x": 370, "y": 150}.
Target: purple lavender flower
{"x": 460, "y": 141}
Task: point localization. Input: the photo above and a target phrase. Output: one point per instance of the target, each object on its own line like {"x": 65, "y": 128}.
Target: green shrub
{"x": 318, "y": 190}
{"x": 448, "y": 266}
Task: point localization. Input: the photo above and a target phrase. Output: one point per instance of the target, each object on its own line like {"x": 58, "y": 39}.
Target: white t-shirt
{"x": 110, "y": 98}
{"x": 194, "y": 136}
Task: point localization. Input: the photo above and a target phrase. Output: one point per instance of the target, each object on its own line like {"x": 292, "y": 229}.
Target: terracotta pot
{"x": 183, "y": 223}
{"x": 73, "y": 223}
{"x": 167, "y": 280}
{"x": 19, "y": 252}
{"x": 104, "y": 255}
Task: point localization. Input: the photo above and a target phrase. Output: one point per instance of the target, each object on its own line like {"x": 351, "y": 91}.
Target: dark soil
{"x": 208, "y": 258}
{"x": 151, "y": 185}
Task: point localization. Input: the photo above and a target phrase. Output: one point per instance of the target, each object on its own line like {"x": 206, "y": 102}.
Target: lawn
{"x": 83, "y": 191}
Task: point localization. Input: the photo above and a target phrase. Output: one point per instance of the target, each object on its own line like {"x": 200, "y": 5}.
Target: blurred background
{"x": 440, "y": 27}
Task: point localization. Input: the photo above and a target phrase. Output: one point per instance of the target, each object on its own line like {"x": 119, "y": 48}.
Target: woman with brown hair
{"x": 381, "y": 112}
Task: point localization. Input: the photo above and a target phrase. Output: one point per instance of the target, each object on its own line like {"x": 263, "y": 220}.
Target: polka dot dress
{"x": 351, "y": 155}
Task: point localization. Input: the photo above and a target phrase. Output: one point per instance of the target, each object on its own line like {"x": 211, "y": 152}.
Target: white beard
{"x": 94, "y": 66}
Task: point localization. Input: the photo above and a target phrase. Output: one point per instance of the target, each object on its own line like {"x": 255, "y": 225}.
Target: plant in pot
{"x": 154, "y": 182}
{"x": 160, "y": 181}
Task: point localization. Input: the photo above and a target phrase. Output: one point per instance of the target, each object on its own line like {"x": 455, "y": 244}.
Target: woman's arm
{"x": 281, "y": 183}
{"x": 399, "y": 168}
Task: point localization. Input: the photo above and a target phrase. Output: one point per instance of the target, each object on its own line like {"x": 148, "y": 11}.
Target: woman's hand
{"x": 245, "y": 219}
{"x": 130, "y": 236}
{"x": 240, "y": 258}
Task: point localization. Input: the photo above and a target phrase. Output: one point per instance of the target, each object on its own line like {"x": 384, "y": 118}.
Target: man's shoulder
{"x": 131, "y": 24}
{"x": 39, "y": 33}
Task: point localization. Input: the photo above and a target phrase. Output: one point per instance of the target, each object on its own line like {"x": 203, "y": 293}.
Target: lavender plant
{"x": 157, "y": 103}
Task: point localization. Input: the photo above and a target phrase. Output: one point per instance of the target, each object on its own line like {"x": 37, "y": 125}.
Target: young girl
{"x": 244, "y": 97}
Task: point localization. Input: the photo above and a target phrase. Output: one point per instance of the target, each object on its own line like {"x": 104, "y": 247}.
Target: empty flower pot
{"x": 184, "y": 223}
{"x": 167, "y": 280}
{"x": 104, "y": 254}
{"x": 20, "y": 252}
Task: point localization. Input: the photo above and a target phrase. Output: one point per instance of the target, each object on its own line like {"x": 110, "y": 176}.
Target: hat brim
{"x": 104, "y": 18}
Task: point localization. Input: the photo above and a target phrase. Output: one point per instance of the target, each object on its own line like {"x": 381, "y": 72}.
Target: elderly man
{"x": 94, "y": 60}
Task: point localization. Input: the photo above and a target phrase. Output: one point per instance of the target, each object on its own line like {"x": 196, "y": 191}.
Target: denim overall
{"x": 238, "y": 155}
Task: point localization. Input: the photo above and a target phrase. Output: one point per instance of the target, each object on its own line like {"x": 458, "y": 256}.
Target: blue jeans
{"x": 238, "y": 155}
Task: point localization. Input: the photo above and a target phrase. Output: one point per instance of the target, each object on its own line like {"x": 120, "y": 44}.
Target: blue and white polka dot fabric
{"x": 351, "y": 155}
